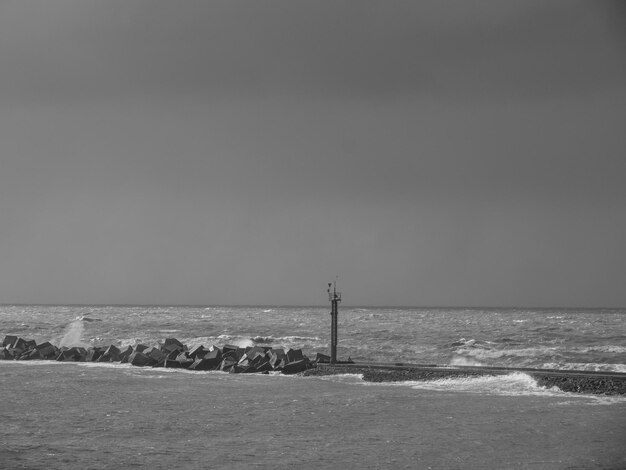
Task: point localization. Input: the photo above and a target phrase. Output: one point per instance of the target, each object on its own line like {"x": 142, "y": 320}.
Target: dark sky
{"x": 454, "y": 153}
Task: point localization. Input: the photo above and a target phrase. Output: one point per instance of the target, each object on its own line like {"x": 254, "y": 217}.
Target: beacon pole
{"x": 335, "y": 298}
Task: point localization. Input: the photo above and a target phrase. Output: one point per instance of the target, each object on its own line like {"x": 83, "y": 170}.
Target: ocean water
{"x": 545, "y": 338}
{"x": 82, "y": 415}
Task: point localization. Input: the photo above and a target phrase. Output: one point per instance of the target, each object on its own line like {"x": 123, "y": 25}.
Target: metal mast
{"x": 335, "y": 298}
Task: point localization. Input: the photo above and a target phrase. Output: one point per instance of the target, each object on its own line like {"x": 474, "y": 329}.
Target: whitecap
{"x": 514, "y": 384}
{"x": 585, "y": 366}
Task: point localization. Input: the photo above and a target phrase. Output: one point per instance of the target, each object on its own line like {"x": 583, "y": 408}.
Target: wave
{"x": 514, "y": 384}
{"x": 480, "y": 353}
{"x": 585, "y": 366}
{"x": 465, "y": 361}
{"x": 73, "y": 334}
{"x": 282, "y": 339}
{"x": 614, "y": 349}
{"x": 86, "y": 318}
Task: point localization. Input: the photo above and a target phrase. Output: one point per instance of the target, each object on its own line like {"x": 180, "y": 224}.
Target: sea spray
{"x": 73, "y": 335}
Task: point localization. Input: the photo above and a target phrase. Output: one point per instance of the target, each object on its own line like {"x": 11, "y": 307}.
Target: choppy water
{"x": 558, "y": 338}
{"x": 83, "y": 415}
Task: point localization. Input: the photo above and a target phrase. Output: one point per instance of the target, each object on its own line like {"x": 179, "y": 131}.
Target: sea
{"x": 109, "y": 416}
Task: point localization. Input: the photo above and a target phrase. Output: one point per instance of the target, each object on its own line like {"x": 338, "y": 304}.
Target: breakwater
{"x": 598, "y": 383}
{"x": 170, "y": 353}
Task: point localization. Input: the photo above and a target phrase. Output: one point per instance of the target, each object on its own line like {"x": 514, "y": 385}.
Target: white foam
{"x": 614, "y": 349}
{"x": 514, "y": 384}
{"x": 464, "y": 361}
{"x": 585, "y": 366}
{"x": 73, "y": 335}
{"x": 498, "y": 353}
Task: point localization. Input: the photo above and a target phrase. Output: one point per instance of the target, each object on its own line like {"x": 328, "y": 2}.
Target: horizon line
{"x": 472, "y": 307}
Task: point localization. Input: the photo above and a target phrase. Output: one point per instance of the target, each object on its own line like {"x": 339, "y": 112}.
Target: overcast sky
{"x": 432, "y": 153}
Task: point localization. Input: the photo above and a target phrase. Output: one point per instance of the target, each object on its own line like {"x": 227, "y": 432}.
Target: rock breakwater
{"x": 171, "y": 353}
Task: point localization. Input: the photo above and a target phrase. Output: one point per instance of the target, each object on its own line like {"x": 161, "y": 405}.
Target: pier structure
{"x": 334, "y": 297}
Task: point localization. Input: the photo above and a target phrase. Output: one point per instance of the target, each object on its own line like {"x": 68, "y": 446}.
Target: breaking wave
{"x": 73, "y": 335}
{"x": 282, "y": 339}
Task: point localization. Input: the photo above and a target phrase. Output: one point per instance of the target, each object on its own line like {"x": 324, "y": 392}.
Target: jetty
{"x": 590, "y": 382}
{"x": 171, "y": 353}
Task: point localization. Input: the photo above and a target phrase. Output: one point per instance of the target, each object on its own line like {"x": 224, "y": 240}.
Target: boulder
{"x": 295, "y": 367}
{"x": 184, "y": 360}
{"x": 239, "y": 369}
{"x": 93, "y": 354}
{"x": 202, "y": 363}
{"x": 227, "y": 363}
{"x": 263, "y": 366}
{"x": 278, "y": 358}
{"x": 250, "y": 355}
{"x": 139, "y": 359}
{"x": 156, "y": 354}
{"x": 174, "y": 342}
{"x": 214, "y": 353}
{"x": 260, "y": 359}
{"x": 20, "y": 343}
{"x": 141, "y": 347}
{"x": 66, "y": 355}
{"x": 16, "y": 353}
{"x": 172, "y": 355}
{"x": 5, "y": 354}
{"x": 9, "y": 341}
{"x": 125, "y": 354}
{"x": 294, "y": 355}
{"x": 198, "y": 351}
{"x": 172, "y": 364}
{"x": 30, "y": 355}
{"x": 322, "y": 358}
{"x": 80, "y": 353}
{"x": 47, "y": 350}
{"x": 255, "y": 351}
{"x": 111, "y": 354}
{"x": 236, "y": 351}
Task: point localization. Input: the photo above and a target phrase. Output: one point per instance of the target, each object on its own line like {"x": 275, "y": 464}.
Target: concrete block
{"x": 294, "y": 355}
{"x": 139, "y": 359}
{"x": 227, "y": 363}
{"x": 295, "y": 367}
{"x": 9, "y": 341}
{"x": 110, "y": 354}
{"x": 125, "y": 354}
{"x": 141, "y": 347}
{"x": 47, "y": 350}
{"x": 198, "y": 351}
{"x": 19, "y": 343}
{"x": 263, "y": 366}
{"x": 322, "y": 358}
{"x": 155, "y": 354}
{"x": 202, "y": 363}
{"x": 174, "y": 342}
{"x": 5, "y": 354}
{"x": 93, "y": 354}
